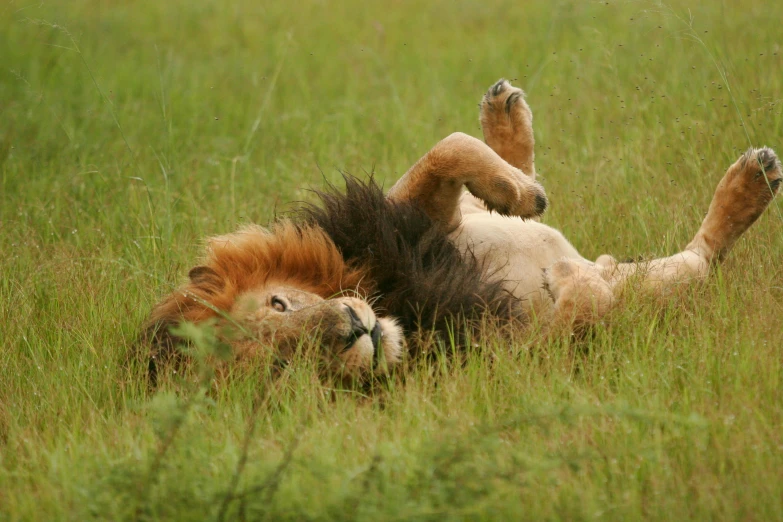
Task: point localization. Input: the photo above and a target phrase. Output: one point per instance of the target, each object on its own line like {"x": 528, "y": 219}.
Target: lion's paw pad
{"x": 762, "y": 165}
{"x": 503, "y": 97}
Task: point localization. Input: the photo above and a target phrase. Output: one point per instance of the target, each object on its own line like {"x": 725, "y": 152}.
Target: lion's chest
{"x": 517, "y": 250}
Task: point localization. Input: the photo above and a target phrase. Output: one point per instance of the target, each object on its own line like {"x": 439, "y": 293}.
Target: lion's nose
{"x": 358, "y": 328}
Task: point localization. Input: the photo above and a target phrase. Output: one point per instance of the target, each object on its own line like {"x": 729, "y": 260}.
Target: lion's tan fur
{"x": 245, "y": 272}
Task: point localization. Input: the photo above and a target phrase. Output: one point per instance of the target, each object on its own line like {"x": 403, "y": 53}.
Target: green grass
{"x": 131, "y": 130}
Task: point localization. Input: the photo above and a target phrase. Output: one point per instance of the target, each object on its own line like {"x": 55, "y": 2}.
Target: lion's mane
{"x": 418, "y": 274}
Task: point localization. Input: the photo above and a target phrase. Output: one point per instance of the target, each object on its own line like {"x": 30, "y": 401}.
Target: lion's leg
{"x": 583, "y": 292}
{"x": 507, "y": 122}
{"x": 435, "y": 182}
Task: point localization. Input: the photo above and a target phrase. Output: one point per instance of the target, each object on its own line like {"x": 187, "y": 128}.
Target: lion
{"x": 456, "y": 238}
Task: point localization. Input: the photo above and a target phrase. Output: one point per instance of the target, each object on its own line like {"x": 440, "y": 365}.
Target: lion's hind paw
{"x": 764, "y": 167}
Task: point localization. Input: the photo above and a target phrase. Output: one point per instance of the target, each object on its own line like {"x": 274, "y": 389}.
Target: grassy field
{"x": 130, "y": 130}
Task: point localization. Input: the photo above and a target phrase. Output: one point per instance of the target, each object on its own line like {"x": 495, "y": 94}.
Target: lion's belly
{"x": 516, "y": 249}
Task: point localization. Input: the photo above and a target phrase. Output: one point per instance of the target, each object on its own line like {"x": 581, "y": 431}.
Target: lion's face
{"x": 352, "y": 338}
{"x": 286, "y": 287}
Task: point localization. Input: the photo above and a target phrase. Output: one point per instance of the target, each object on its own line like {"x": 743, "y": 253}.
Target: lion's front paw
{"x": 507, "y": 122}
{"x": 505, "y": 100}
{"x": 510, "y": 193}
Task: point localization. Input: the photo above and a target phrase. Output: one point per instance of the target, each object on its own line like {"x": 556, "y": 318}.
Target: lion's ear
{"x": 207, "y": 279}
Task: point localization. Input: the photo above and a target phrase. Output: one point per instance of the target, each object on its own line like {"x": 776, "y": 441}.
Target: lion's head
{"x": 272, "y": 289}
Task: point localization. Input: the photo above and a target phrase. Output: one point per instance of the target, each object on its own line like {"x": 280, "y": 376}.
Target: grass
{"x": 131, "y": 130}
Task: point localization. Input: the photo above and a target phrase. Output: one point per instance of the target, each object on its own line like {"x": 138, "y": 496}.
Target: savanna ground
{"x": 130, "y": 130}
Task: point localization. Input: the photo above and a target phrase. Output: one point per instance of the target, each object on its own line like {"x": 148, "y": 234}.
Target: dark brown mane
{"x": 419, "y": 275}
